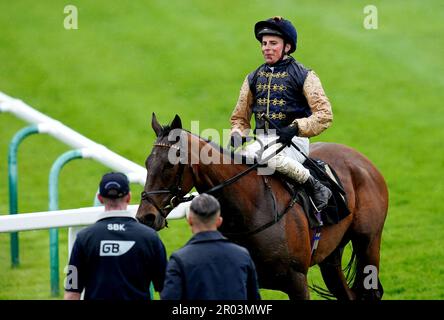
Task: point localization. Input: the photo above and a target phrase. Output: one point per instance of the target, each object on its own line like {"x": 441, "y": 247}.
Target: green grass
{"x": 189, "y": 57}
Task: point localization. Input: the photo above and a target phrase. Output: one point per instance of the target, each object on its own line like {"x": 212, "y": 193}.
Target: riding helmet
{"x": 277, "y": 26}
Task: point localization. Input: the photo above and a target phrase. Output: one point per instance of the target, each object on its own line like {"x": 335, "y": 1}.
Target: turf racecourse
{"x": 190, "y": 57}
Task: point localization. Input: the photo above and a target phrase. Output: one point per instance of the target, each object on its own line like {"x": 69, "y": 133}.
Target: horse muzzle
{"x": 147, "y": 219}
{"x": 151, "y": 220}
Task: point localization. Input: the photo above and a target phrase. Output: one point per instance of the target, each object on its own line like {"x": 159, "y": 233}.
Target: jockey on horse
{"x": 288, "y": 95}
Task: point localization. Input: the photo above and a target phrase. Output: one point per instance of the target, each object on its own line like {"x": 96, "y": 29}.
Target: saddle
{"x": 336, "y": 209}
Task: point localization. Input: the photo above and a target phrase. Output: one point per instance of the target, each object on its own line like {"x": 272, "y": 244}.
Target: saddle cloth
{"x": 336, "y": 209}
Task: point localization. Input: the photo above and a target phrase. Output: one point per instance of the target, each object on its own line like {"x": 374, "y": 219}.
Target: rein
{"x": 245, "y": 172}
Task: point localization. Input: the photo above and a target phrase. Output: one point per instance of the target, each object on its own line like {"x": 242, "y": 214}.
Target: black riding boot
{"x": 318, "y": 192}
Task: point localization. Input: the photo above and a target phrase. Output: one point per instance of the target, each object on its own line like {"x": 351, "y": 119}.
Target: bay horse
{"x": 282, "y": 250}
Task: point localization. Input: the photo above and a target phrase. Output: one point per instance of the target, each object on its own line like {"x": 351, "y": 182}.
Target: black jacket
{"x": 116, "y": 258}
{"x": 210, "y": 267}
{"x": 278, "y": 92}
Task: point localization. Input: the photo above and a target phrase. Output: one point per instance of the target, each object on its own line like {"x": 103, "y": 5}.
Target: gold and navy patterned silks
{"x": 286, "y": 93}
{"x": 277, "y": 94}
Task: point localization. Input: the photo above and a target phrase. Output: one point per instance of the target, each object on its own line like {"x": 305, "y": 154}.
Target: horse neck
{"x": 209, "y": 165}
{"x": 239, "y": 200}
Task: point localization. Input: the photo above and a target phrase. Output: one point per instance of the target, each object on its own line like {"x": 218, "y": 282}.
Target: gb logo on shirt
{"x": 115, "y": 248}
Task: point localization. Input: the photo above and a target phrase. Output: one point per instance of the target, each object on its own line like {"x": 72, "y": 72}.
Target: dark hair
{"x": 205, "y": 206}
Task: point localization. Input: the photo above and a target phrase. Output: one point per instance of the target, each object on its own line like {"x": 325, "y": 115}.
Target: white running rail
{"x": 72, "y": 218}
{"x": 58, "y": 130}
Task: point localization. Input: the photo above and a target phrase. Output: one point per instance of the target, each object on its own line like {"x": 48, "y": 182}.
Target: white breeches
{"x": 288, "y": 161}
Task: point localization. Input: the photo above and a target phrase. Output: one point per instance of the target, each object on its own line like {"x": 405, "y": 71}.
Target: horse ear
{"x": 156, "y": 126}
{"x": 177, "y": 123}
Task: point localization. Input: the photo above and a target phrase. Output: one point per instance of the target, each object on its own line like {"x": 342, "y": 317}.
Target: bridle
{"x": 175, "y": 190}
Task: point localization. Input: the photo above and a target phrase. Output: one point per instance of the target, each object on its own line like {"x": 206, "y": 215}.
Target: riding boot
{"x": 295, "y": 170}
{"x": 318, "y": 192}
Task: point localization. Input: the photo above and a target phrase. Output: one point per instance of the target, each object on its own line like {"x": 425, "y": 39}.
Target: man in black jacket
{"x": 209, "y": 266}
{"x": 117, "y": 257}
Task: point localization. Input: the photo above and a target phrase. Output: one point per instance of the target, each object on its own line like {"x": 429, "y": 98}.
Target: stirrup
{"x": 317, "y": 213}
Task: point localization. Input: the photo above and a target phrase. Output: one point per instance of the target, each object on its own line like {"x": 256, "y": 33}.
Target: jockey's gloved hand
{"x": 236, "y": 140}
{"x": 287, "y": 133}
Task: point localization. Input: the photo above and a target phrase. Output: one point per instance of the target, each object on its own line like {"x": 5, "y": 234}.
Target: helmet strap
{"x": 283, "y": 54}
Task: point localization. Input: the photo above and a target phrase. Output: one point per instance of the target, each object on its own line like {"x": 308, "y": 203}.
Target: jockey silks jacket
{"x": 287, "y": 92}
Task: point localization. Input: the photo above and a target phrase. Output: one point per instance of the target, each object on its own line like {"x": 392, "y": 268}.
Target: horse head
{"x": 168, "y": 178}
